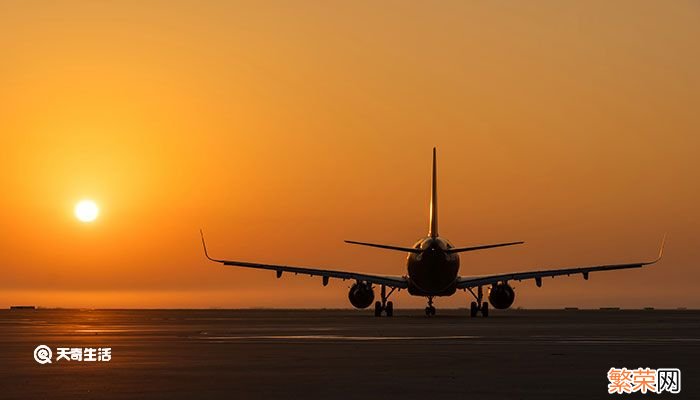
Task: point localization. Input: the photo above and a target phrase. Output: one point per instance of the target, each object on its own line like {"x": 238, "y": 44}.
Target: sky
{"x": 284, "y": 127}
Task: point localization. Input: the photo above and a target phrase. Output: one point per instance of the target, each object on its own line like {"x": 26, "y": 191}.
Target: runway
{"x": 322, "y": 354}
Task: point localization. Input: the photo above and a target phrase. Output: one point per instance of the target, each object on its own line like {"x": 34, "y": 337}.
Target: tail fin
{"x": 433, "y": 232}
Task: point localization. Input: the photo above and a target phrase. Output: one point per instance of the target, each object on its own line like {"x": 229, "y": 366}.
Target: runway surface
{"x": 254, "y": 354}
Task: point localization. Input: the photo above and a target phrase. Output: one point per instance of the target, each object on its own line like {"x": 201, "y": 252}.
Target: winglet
{"x": 204, "y": 245}
{"x": 661, "y": 249}
{"x": 661, "y": 252}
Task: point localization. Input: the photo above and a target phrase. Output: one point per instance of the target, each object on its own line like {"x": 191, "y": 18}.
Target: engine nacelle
{"x": 361, "y": 295}
{"x": 501, "y": 296}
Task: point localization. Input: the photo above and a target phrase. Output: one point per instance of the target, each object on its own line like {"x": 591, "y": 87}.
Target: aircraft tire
{"x": 378, "y": 309}
{"x": 474, "y": 309}
{"x": 389, "y": 309}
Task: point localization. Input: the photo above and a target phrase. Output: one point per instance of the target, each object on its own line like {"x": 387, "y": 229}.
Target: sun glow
{"x": 86, "y": 210}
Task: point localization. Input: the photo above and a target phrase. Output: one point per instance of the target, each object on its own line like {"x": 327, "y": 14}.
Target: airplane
{"x": 432, "y": 270}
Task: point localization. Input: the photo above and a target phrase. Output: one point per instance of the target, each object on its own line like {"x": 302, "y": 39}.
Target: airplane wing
{"x": 399, "y": 282}
{"x": 482, "y": 280}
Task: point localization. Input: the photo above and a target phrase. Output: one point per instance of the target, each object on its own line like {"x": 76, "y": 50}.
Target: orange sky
{"x": 283, "y": 128}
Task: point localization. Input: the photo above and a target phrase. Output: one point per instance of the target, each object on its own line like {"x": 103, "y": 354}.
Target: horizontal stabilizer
{"x": 487, "y": 246}
{"x": 384, "y": 246}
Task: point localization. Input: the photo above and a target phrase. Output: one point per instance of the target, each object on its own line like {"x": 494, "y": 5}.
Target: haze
{"x": 283, "y": 128}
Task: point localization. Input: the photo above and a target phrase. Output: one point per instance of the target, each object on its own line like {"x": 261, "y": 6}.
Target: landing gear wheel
{"x": 430, "y": 310}
{"x": 389, "y": 309}
{"x": 485, "y": 309}
{"x": 474, "y": 309}
{"x": 377, "y": 309}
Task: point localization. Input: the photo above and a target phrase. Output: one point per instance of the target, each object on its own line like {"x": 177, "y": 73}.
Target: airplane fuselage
{"x": 433, "y": 271}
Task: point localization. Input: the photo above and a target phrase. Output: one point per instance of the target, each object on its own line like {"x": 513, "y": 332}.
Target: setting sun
{"x": 86, "y": 210}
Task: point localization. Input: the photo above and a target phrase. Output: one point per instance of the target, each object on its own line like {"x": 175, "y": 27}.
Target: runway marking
{"x": 620, "y": 340}
{"x": 338, "y": 337}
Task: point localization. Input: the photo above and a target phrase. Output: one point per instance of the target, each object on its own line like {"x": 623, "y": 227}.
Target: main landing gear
{"x": 384, "y": 305}
{"x": 430, "y": 310}
{"x": 478, "y": 306}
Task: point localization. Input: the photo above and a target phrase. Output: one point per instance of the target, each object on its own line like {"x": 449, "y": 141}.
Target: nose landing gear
{"x": 478, "y": 306}
{"x": 384, "y": 305}
{"x": 430, "y": 310}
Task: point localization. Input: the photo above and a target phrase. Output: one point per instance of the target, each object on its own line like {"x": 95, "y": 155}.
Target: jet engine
{"x": 501, "y": 296}
{"x": 361, "y": 295}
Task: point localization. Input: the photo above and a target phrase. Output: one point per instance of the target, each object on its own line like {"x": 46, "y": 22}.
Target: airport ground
{"x": 337, "y": 354}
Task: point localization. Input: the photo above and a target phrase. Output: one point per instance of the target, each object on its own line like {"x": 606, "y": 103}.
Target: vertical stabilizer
{"x": 433, "y": 232}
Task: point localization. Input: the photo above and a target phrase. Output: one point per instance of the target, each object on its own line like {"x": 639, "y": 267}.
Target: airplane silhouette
{"x": 432, "y": 270}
